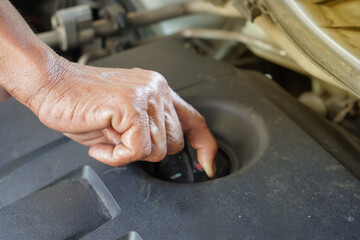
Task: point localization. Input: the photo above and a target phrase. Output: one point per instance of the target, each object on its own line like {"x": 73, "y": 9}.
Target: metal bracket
{"x": 74, "y": 26}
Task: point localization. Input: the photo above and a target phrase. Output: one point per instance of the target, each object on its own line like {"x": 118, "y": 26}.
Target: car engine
{"x": 280, "y": 95}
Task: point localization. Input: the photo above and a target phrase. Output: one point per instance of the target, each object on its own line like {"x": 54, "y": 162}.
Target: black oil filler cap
{"x": 184, "y": 167}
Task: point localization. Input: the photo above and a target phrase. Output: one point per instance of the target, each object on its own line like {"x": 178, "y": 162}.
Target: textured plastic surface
{"x": 60, "y": 210}
{"x": 290, "y": 184}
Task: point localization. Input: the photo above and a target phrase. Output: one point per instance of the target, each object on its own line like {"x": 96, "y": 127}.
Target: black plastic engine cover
{"x": 286, "y": 181}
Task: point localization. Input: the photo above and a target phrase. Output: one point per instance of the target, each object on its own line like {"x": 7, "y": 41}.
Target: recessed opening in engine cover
{"x": 241, "y": 135}
{"x": 181, "y": 168}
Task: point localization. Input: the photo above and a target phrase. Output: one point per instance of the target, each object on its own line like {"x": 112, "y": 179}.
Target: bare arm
{"x": 124, "y": 115}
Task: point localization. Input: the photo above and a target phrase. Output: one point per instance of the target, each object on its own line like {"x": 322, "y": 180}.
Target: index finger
{"x": 197, "y": 133}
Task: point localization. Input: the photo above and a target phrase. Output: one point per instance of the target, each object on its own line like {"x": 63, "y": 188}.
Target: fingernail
{"x": 209, "y": 171}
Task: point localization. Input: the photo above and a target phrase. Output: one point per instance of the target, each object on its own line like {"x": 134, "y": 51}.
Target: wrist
{"x": 29, "y": 75}
{"x": 27, "y": 65}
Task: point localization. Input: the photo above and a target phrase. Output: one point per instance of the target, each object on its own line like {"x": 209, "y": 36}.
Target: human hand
{"x": 123, "y": 115}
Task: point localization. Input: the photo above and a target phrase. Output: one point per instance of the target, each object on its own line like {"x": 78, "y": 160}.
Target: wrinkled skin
{"x": 123, "y": 115}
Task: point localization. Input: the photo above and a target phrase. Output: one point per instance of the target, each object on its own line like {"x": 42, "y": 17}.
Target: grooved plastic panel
{"x": 68, "y": 208}
{"x": 297, "y": 180}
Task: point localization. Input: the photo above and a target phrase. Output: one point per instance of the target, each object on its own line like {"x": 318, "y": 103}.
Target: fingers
{"x": 174, "y": 132}
{"x": 151, "y": 134}
{"x": 158, "y": 130}
{"x": 112, "y": 135}
{"x": 107, "y": 135}
{"x": 197, "y": 133}
{"x": 201, "y": 139}
{"x": 165, "y": 130}
{"x": 135, "y": 144}
{"x": 88, "y": 139}
{"x": 125, "y": 115}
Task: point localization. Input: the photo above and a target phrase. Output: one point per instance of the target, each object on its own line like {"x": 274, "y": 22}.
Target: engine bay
{"x": 288, "y": 163}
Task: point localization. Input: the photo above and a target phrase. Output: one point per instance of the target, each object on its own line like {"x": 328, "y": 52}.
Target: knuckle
{"x": 180, "y": 145}
{"x": 200, "y": 118}
{"x": 162, "y": 153}
{"x": 115, "y": 160}
{"x": 155, "y": 82}
{"x": 137, "y": 116}
{"x": 157, "y": 76}
{"x": 159, "y": 153}
{"x": 136, "y": 69}
{"x": 115, "y": 163}
{"x": 158, "y": 157}
{"x": 144, "y": 153}
{"x": 163, "y": 81}
{"x": 159, "y": 79}
{"x": 177, "y": 147}
{"x": 136, "y": 112}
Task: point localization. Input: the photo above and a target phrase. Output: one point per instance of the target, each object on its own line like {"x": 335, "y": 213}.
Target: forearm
{"x": 125, "y": 115}
{"x": 26, "y": 63}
